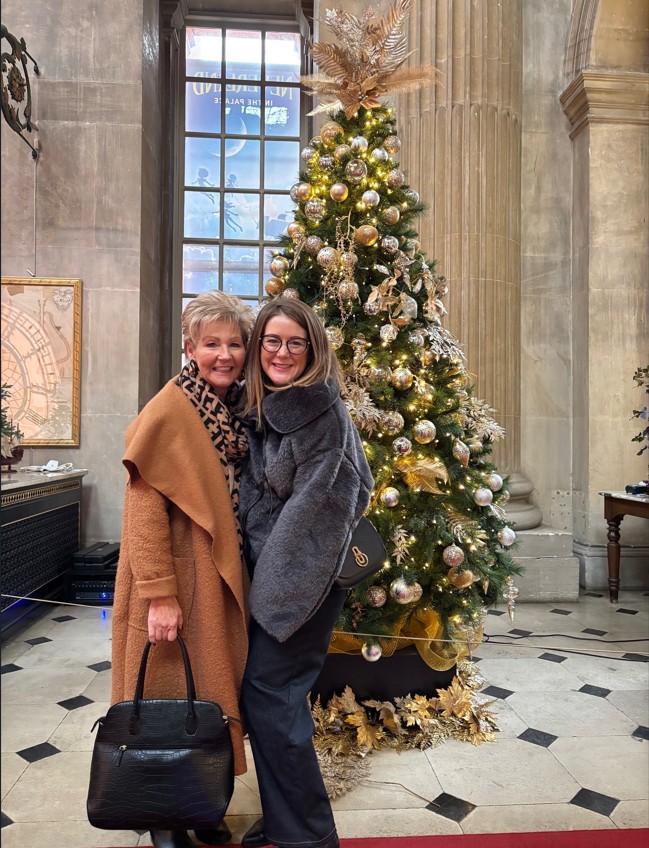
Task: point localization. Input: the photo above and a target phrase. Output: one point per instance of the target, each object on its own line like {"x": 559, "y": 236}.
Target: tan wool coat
{"x": 179, "y": 538}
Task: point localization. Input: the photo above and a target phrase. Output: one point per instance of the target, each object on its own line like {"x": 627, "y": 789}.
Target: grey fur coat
{"x": 304, "y": 489}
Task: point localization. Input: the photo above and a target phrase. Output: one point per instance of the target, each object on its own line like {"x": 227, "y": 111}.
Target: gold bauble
{"x": 295, "y": 229}
{"x": 367, "y": 235}
{"x": 462, "y": 579}
{"x": 304, "y": 191}
{"x": 427, "y": 357}
{"x": 274, "y": 286}
{"x": 339, "y": 192}
{"x": 391, "y": 215}
{"x": 402, "y": 378}
{"x": 330, "y": 132}
{"x": 348, "y": 290}
{"x": 291, "y": 294}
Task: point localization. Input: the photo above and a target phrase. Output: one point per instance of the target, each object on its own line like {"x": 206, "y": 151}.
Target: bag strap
{"x": 191, "y": 722}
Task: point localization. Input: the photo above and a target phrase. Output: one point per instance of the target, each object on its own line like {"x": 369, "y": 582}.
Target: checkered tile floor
{"x": 570, "y": 684}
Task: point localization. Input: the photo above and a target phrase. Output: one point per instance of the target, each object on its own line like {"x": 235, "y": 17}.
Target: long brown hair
{"x": 322, "y": 365}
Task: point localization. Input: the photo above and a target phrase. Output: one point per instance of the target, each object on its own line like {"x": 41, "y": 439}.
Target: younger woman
{"x": 305, "y": 487}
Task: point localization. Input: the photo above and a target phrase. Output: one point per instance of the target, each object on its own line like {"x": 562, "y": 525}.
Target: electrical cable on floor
{"x": 396, "y": 783}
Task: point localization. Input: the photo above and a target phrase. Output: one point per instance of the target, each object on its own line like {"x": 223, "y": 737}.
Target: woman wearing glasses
{"x": 304, "y": 489}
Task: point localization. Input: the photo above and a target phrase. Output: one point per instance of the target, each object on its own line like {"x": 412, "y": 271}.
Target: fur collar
{"x": 293, "y": 408}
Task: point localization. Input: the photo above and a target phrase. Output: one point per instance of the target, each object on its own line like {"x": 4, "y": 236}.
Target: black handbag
{"x": 161, "y": 764}
{"x": 365, "y": 555}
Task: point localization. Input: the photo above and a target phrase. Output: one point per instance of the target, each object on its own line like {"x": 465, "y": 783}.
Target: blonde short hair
{"x": 212, "y": 306}
{"x": 322, "y": 365}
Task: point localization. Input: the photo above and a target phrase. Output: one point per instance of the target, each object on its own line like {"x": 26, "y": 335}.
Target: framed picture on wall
{"x": 41, "y": 358}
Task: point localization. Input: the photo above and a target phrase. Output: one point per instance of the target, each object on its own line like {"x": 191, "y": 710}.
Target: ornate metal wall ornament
{"x": 16, "y": 90}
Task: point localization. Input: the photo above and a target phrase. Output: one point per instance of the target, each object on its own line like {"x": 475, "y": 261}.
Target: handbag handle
{"x": 191, "y": 723}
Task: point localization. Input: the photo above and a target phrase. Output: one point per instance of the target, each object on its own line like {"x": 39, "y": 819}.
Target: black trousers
{"x": 278, "y": 678}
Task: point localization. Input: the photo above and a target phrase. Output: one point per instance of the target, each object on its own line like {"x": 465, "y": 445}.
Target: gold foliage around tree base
{"x": 346, "y": 731}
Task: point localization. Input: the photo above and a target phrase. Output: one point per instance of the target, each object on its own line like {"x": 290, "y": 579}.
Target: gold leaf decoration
{"x": 456, "y": 700}
{"x": 363, "y": 63}
{"x": 423, "y": 475}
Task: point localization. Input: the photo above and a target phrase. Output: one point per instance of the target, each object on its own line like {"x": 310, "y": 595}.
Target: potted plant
{"x": 10, "y": 435}
{"x": 641, "y": 378}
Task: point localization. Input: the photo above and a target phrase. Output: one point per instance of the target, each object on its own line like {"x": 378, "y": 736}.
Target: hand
{"x": 165, "y": 619}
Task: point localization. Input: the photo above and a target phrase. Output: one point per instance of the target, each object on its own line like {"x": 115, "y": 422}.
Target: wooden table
{"x": 616, "y": 506}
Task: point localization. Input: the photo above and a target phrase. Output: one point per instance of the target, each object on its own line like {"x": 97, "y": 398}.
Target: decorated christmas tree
{"x": 353, "y": 253}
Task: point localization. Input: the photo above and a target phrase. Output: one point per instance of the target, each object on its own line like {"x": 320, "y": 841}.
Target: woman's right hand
{"x": 165, "y": 619}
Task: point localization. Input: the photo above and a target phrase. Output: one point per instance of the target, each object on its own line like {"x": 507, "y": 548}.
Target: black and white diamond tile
{"x": 596, "y": 802}
{"x": 593, "y": 632}
{"x": 556, "y": 658}
{"x": 598, "y": 691}
{"x": 497, "y": 692}
{"x": 627, "y": 611}
{"x": 4, "y": 819}
{"x": 538, "y": 737}
{"x": 451, "y": 807}
{"x": 62, "y": 618}
{"x": 9, "y": 667}
{"x": 100, "y": 666}
{"x": 75, "y": 703}
{"x": 38, "y": 752}
{"x": 39, "y": 640}
{"x": 641, "y": 732}
{"x": 561, "y": 611}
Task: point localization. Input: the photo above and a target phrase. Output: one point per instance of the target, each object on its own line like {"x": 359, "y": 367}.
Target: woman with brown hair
{"x": 304, "y": 489}
{"x": 181, "y": 566}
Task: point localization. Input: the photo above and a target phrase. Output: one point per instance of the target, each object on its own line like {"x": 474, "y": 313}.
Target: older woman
{"x": 305, "y": 487}
{"x": 181, "y": 566}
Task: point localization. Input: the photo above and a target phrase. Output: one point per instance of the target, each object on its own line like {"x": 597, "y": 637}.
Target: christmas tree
{"x": 352, "y": 253}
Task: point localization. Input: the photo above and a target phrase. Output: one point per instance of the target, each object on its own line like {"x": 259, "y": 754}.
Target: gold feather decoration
{"x": 423, "y": 475}
{"x": 364, "y": 62}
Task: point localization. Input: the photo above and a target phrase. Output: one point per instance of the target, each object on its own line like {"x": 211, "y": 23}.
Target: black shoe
{"x": 171, "y": 839}
{"x": 218, "y": 835}
{"x": 255, "y": 837}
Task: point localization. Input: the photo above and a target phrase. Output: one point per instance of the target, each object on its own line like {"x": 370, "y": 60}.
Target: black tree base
{"x": 404, "y": 673}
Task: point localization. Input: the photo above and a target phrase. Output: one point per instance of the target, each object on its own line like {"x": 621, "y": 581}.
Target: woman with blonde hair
{"x": 181, "y": 566}
{"x": 304, "y": 489}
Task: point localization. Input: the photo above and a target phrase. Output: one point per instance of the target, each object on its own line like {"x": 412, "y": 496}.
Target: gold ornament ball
{"x": 453, "y": 556}
{"x": 278, "y": 266}
{"x": 392, "y": 423}
{"x": 376, "y": 596}
{"x": 355, "y": 170}
{"x": 417, "y": 592}
{"x": 316, "y": 141}
{"x": 327, "y": 256}
{"x": 315, "y": 209}
{"x": 348, "y": 259}
{"x": 390, "y": 497}
{"x": 313, "y": 244}
{"x": 366, "y": 234}
{"x": 330, "y": 132}
{"x": 291, "y": 294}
{"x": 413, "y": 196}
{"x": 424, "y": 431}
{"x": 402, "y": 378}
{"x": 339, "y": 192}
{"x": 463, "y": 454}
{"x": 371, "y": 652}
{"x": 371, "y": 308}
{"x": 348, "y": 290}
{"x": 342, "y": 152}
{"x": 427, "y": 357}
{"x": 295, "y": 230}
{"x": 426, "y": 392}
{"x": 392, "y": 144}
{"x": 388, "y": 333}
{"x": 391, "y": 215}
{"x": 304, "y": 191}
{"x": 274, "y": 286}
{"x": 462, "y": 579}
{"x": 336, "y": 336}
{"x": 382, "y": 374}
{"x": 396, "y": 178}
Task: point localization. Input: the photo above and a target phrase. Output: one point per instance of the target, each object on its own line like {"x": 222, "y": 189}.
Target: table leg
{"x": 613, "y": 555}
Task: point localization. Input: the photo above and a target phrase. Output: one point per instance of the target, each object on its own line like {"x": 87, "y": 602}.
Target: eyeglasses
{"x": 273, "y": 344}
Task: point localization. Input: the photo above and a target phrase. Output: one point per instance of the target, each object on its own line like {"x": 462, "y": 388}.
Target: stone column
{"x": 462, "y": 152}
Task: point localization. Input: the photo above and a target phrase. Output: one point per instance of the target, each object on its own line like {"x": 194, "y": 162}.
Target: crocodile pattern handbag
{"x": 365, "y": 555}
{"x": 161, "y": 764}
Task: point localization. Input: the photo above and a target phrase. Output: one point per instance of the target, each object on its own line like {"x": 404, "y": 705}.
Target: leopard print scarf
{"x": 226, "y": 430}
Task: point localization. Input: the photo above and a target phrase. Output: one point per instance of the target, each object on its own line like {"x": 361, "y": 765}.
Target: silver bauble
{"x": 408, "y": 306}
{"x": 392, "y": 423}
{"x": 355, "y": 170}
{"x": 339, "y": 192}
{"x": 326, "y": 162}
{"x": 307, "y": 154}
{"x": 482, "y": 496}
{"x": 371, "y": 197}
{"x": 382, "y": 374}
{"x": 506, "y": 536}
{"x": 371, "y": 652}
{"x": 329, "y": 132}
{"x": 312, "y": 244}
{"x": 315, "y": 210}
{"x": 278, "y": 266}
{"x": 390, "y": 497}
{"x": 417, "y": 592}
{"x": 493, "y": 480}
{"x": 412, "y": 196}
{"x": 327, "y": 256}
{"x": 291, "y": 294}
{"x": 416, "y": 338}
{"x": 402, "y": 446}
{"x": 389, "y": 245}
{"x": 391, "y": 215}
{"x": 348, "y": 259}
{"x": 376, "y": 596}
{"x": 453, "y": 556}
{"x": 348, "y": 290}
{"x": 396, "y": 178}
{"x": 372, "y": 308}
{"x": 424, "y": 431}
{"x": 392, "y": 144}
{"x": 379, "y": 154}
{"x": 342, "y": 152}
{"x": 388, "y": 333}
{"x": 359, "y": 144}
{"x": 401, "y": 591}
{"x": 335, "y": 336}
{"x": 402, "y": 378}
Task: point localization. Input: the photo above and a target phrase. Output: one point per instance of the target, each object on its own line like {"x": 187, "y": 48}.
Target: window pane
{"x": 203, "y": 107}
{"x": 243, "y": 54}
{"x": 241, "y": 270}
{"x": 279, "y": 211}
{"x": 203, "y": 161}
{"x": 201, "y": 214}
{"x": 281, "y": 163}
{"x": 282, "y": 56}
{"x": 200, "y": 268}
{"x": 243, "y": 110}
{"x": 203, "y": 52}
{"x": 241, "y": 216}
{"x": 242, "y": 167}
{"x": 282, "y": 110}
